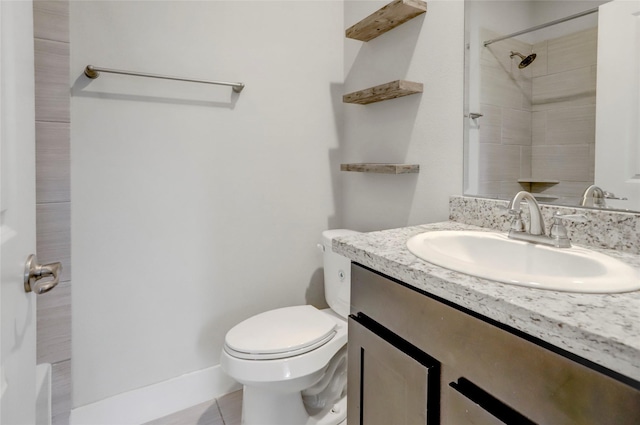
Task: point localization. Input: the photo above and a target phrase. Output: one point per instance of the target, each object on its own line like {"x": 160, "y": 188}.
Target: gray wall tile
{"x": 61, "y": 388}
{"x": 51, "y": 20}
{"x": 51, "y": 32}
{"x": 53, "y": 230}
{"x": 54, "y": 324}
{"x": 53, "y": 161}
{"x": 52, "y": 81}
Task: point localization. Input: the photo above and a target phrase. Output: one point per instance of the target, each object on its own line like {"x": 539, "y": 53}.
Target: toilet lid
{"x": 280, "y": 333}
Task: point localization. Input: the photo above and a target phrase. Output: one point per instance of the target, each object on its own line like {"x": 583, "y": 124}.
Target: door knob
{"x": 34, "y": 272}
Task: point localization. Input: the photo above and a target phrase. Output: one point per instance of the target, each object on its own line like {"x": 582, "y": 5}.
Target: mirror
{"x": 530, "y": 104}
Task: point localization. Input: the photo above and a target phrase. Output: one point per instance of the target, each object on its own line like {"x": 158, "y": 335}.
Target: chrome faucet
{"x": 536, "y": 232}
{"x": 536, "y": 222}
{"x": 593, "y": 196}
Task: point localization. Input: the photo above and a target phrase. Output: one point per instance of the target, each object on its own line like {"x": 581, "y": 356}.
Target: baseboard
{"x": 156, "y": 401}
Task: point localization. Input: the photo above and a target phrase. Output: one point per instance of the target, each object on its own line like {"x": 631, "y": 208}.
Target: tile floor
{"x": 225, "y": 410}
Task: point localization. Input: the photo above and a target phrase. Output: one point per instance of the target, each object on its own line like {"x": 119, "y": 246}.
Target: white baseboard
{"x": 156, "y": 401}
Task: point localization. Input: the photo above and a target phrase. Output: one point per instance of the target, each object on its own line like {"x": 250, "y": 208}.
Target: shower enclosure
{"x": 531, "y": 94}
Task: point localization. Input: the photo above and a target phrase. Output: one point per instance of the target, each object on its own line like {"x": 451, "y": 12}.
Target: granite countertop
{"x": 603, "y": 328}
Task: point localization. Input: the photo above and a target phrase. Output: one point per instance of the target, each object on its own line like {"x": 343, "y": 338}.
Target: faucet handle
{"x": 576, "y": 218}
{"x": 559, "y": 233}
{"x": 609, "y": 195}
{"x": 516, "y": 221}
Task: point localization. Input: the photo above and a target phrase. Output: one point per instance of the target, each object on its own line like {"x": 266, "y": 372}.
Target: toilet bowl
{"x": 292, "y": 361}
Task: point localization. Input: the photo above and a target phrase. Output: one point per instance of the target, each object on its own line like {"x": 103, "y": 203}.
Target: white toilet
{"x": 292, "y": 361}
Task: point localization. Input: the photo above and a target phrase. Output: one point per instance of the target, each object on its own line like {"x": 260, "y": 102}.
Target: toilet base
{"x": 260, "y": 407}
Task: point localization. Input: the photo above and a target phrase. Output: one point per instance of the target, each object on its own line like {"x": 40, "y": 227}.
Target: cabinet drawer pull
{"x": 489, "y": 403}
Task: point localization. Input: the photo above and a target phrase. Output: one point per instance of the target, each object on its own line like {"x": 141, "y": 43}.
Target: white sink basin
{"x": 494, "y": 256}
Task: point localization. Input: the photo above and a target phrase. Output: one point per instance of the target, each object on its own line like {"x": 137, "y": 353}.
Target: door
{"x": 390, "y": 382}
{"x": 617, "y": 167}
{"x": 17, "y": 213}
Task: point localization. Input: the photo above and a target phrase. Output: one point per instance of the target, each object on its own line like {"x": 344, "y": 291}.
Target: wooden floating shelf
{"x": 382, "y": 92}
{"x": 381, "y": 168}
{"x": 387, "y": 18}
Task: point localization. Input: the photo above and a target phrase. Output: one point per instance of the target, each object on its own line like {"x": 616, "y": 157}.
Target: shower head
{"x": 525, "y": 60}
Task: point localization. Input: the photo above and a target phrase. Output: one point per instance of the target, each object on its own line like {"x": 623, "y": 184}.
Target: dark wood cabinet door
{"x": 386, "y": 385}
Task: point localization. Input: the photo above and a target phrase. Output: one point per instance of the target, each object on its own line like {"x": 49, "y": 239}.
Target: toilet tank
{"x": 337, "y": 273}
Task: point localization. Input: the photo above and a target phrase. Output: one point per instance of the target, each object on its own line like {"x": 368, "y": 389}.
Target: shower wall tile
{"x": 51, "y": 20}
{"x": 577, "y": 50}
{"x": 572, "y": 125}
{"x": 539, "y": 66}
{"x": 516, "y": 127}
{"x": 53, "y": 162}
{"x": 492, "y": 115}
{"x": 490, "y": 134}
{"x": 508, "y": 189}
{"x": 574, "y": 87}
{"x": 499, "y": 162}
{"x": 52, "y": 81}
{"x": 525, "y": 161}
{"x": 499, "y": 90}
{"x": 562, "y": 162}
{"x": 53, "y": 229}
{"x": 592, "y": 165}
{"x": 499, "y": 189}
{"x": 54, "y": 325}
{"x": 538, "y": 128}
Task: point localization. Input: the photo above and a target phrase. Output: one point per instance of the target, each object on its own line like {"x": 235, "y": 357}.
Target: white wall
{"x": 194, "y": 208}
{"x": 424, "y": 129}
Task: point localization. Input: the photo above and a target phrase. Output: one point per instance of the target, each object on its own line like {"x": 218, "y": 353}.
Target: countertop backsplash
{"x": 607, "y": 229}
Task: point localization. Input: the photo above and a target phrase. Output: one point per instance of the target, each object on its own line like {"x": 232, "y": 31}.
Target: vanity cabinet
{"x": 394, "y": 383}
{"x": 410, "y": 351}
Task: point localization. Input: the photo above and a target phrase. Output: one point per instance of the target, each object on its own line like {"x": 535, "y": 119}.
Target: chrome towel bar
{"x": 538, "y": 27}
{"x": 93, "y": 72}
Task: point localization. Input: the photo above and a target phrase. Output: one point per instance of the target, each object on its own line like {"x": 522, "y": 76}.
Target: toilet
{"x": 292, "y": 361}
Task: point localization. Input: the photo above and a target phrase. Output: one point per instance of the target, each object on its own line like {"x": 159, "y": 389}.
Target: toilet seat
{"x": 281, "y": 333}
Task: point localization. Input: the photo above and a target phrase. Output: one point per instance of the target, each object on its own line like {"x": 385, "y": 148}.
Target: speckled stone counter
{"x": 604, "y": 329}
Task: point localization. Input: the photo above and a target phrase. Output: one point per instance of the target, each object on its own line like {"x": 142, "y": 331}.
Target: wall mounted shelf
{"x": 535, "y": 186}
{"x": 382, "y": 92}
{"x": 388, "y": 17}
{"x": 381, "y": 168}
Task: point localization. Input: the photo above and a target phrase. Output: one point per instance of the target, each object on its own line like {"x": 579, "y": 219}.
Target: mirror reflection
{"x": 530, "y": 110}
